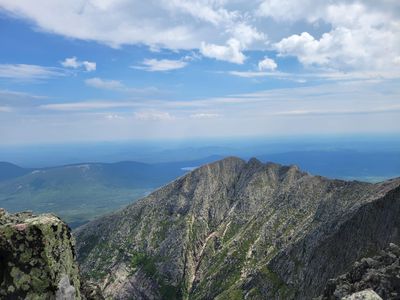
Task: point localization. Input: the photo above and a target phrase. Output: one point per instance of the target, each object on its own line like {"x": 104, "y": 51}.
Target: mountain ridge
{"x": 80, "y": 192}
{"x": 223, "y": 231}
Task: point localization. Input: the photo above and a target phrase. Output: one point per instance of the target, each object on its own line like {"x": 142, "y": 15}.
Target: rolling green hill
{"x": 81, "y": 192}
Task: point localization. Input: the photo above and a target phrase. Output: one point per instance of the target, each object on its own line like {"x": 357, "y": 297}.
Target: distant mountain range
{"x": 81, "y": 192}
{"x": 238, "y": 229}
{"x": 343, "y": 164}
{"x": 9, "y": 171}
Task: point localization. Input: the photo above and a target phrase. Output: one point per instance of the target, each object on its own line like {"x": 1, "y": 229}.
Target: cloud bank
{"x": 343, "y": 35}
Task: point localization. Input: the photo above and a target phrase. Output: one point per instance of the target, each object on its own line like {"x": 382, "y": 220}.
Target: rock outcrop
{"x": 37, "y": 258}
{"x": 239, "y": 230}
{"x": 379, "y": 275}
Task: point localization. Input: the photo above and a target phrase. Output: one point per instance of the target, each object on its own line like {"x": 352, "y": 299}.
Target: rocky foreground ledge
{"x": 373, "y": 278}
{"x": 37, "y": 258}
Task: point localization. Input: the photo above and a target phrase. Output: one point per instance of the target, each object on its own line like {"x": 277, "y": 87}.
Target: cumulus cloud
{"x": 344, "y": 35}
{"x": 354, "y": 42}
{"x": 74, "y": 63}
{"x": 267, "y": 64}
{"x": 28, "y": 72}
{"x": 290, "y": 10}
{"x": 232, "y": 52}
{"x": 161, "y": 65}
{"x": 176, "y": 24}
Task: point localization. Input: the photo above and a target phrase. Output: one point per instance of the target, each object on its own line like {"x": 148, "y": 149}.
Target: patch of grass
{"x": 280, "y": 287}
{"x": 231, "y": 294}
{"x": 148, "y": 265}
{"x": 145, "y": 262}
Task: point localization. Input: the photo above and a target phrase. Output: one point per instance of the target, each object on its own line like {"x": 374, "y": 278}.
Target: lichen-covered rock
{"x": 37, "y": 259}
{"x": 363, "y": 295}
{"x": 380, "y": 273}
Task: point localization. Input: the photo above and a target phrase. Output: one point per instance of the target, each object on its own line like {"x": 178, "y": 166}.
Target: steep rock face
{"x": 380, "y": 274}
{"x": 330, "y": 248}
{"x": 236, "y": 229}
{"x": 37, "y": 259}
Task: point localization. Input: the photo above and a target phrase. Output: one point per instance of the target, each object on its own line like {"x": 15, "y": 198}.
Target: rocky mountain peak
{"x": 235, "y": 229}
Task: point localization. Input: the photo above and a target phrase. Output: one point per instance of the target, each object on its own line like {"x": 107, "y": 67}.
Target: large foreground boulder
{"x": 376, "y": 277}
{"x": 37, "y": 258}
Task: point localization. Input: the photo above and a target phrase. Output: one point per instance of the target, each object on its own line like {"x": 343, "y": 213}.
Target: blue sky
{"x": 102, "y": 70}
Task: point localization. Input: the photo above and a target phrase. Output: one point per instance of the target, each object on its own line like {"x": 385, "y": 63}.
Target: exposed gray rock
{"x": 65, "y": 291}
{"x": 239, "y": 230}
{"x": 363, "y": 295}
{"x": 90, "y": 290}
{"x": 380, "y": 273}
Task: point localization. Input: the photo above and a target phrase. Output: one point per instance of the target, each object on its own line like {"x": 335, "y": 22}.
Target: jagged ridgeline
{"x": 239, "y": 230}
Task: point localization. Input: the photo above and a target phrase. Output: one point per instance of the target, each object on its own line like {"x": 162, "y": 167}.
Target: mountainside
{"x": 235, "y": 230}
{"x": 80, "y": 192}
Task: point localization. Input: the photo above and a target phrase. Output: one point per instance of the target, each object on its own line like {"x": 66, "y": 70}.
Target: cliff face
{"x": 236, "y": 229}
{"x": 37, "y": 259}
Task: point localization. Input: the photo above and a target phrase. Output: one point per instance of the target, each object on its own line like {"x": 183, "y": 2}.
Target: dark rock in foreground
{"x": 37, "y": 259}
{"x": 381, "y": 274}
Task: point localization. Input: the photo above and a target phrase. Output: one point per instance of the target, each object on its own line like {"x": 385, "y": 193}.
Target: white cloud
{"x": 246, "y": 34}
{"x": 104, "y": 84}
{"x": 74, "y": 63}
{"x": 28, "y": 72}
{"x": 86, "y": 105}
{"x": 71, "y": 62}
{"x": 176, "y": 24}
{"x": 267, "y": 64}
{"x": 354, "y": 42}
{"x": 89, "y": 66}
{"x": 251, "y": 74}
{"x": 264, "y": 65}
{"x": 153, "y": 115}
{"x": 204, "y": 116}
{"x": 232, "y": 52}
{"x": 5, "y": 109}
{"x": 290, "y": 10}
{"x": 338, "y": 107}
{"x": 114, "y": 117}
{"x": 161, "y": 65}
{"x": 118, "y": 86}
{"x": 344, "y": 35}
{"x": 350, "y": 111}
